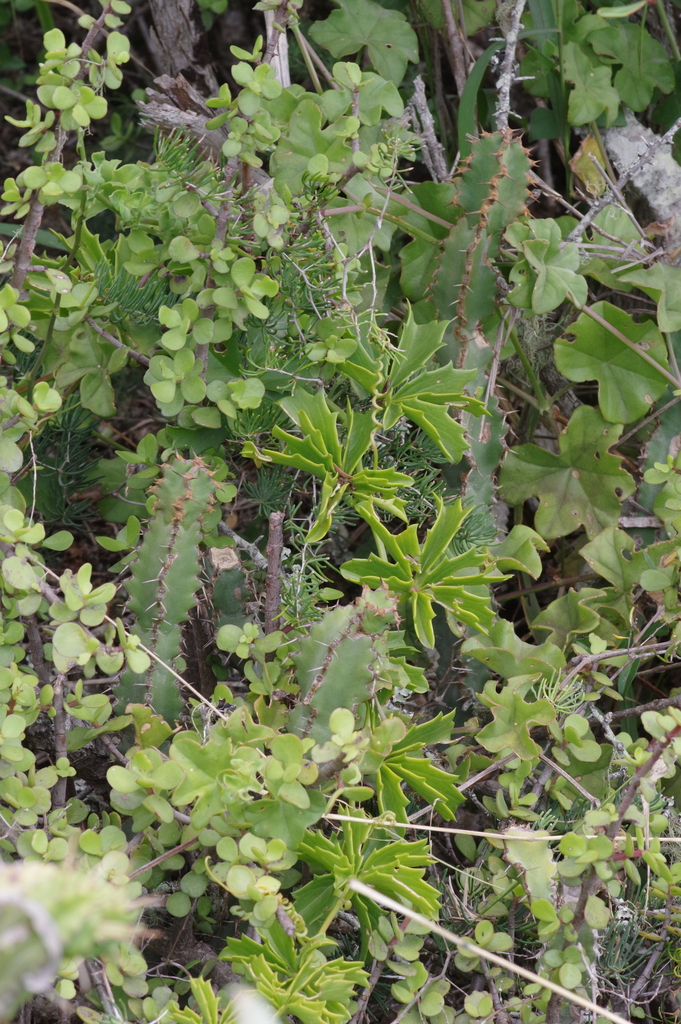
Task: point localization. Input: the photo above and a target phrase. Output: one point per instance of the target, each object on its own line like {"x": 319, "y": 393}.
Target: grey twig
{"x": 654, "y": 705}
{"x": 59, "y": 790}
{"x": 100, "y": 983}
{"x": 573, "y": 782}
{"x": 604, "y": 721}
{"x": 506, "y": 75}
{"x": 630, "y": 172}
{"x": 655, "y": 955}
{"x": 424, "y": 126}
{"x": 277, "y": 40}
{"x": 251, "y": 550}
{"x": 143, "y": 360}
{"x": 586, "y": 661}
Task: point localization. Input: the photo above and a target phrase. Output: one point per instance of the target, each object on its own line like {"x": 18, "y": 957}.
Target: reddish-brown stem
{"x": 164, "y": 856}
{"x": 26, "y": 246}
{"x": 274, "y": 549}
{"x": 35, "y": 645}
{"x": 281, "y": 17}
{"x": 59, "y": 789}
{"x": 34, "y": 218}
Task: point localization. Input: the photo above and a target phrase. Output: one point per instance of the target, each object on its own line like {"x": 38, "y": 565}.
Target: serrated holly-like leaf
{"x": 645, "y": 64}
{"x": 593, "y": 92}
{"x": 628, "y": 385}
{"x": 298, "y": 982}
{"x": 506, "y": 654}
{"x": 421, "y": 776}
{"x": 339, "y": 466}
{"x": 427, "y": 397}
{"x": 427, "y": 574}
{"x": 390, "y": 40}
{"x": 582, "y": 486}
{"x": 513, "y": 718}
{"x": 396, "y": 869}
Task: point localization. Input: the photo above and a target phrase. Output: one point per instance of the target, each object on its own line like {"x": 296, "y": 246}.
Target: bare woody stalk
{"x": 142, "y": 360}
{"x": 506, "y": 75}
{"x": 275, "y": 545}
{"x": 277, "y": 26}
{"x": 59, "y": 790}
{"x": 454, "y": 47}
{"x": 35, "y": 645}
{"x": 653, "y": 705}
{"x": 24, "y": 254}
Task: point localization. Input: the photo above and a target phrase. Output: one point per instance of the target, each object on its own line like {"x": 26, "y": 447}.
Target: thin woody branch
{"x": 275, "y": 546}
{"x": 507, "y": 68}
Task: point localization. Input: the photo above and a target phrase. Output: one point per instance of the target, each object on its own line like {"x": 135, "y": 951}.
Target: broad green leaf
{"x": 11, "y": 457}
{"x": 628, "y": 385}
{"x": 624, "y": 11}
{"x": 533, "y": 859}
{"x": 644, "y": 60}
{"x": 613, "y": 555}
{"x": 596, "y": 913}
{"x": 519, "y": 551}
{"x": 303, "y": 140}
{"x": 570, "y": 975}
{"x": 278, "y": 820}
{"x": 582, "y": 486}
{"x": 178, "y": 904}
{"x": 19, "y": 574}
{"x": 182, "y": 250}
{"x": 568, "y": 617}
{"x": 547, "y": 272}
{"x": 593, "y": 93}
{"x": 513, "y": 718}
{"x": 390, "y": 40}
{"x": 663, "y": 283}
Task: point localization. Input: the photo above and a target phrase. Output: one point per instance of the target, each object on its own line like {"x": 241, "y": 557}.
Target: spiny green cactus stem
{"x": 492, "y": 189}
{"x": 165, "y": 581}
